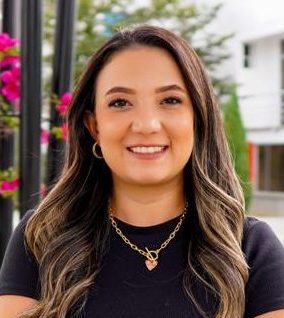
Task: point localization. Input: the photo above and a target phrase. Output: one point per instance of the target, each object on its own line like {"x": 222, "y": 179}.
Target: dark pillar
{"x": 8, "y": 16}
{"x": 62, "y": 78}
{"x": 6, "y": 204}
{"x": 7, "y": 140}
{"x": 31, "y": 36}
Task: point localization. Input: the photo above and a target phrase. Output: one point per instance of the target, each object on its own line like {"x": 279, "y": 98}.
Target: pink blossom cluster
{"x": 60, "y": 132}
{"x": 43, "y": 190}
{"x": 11, "y": 83}
{"x": 9, "y": 187}
{"x": 44, "y": 136}
{"x": 8, "y": 49}
{"x": 64, "y": 103}
{"x": 64, "y": 131}
{"x": 10, "y": 78}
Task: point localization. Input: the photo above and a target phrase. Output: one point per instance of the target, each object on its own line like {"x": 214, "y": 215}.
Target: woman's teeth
{"x": 147, "y": 149}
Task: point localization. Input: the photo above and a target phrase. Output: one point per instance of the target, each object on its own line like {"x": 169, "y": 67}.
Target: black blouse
{"x": 126, "y": 288}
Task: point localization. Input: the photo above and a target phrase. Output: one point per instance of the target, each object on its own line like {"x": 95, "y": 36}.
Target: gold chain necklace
{"x": 151, "y": 255}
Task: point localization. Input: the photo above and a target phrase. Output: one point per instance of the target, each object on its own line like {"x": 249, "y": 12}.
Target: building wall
{"x": 248, "y": 20}
{"x": 259, "y": 90}
{"x": 260, "y": 24}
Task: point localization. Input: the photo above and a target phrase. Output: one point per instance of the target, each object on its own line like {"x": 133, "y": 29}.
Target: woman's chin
{"x": 150, "y": 180}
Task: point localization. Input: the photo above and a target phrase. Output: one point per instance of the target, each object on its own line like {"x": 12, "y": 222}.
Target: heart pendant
{"x": 151, "y": 264}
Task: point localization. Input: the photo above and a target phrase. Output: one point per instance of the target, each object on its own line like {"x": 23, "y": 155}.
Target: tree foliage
{"x": 237, "y": 140}
{"x": 97, "y": 20}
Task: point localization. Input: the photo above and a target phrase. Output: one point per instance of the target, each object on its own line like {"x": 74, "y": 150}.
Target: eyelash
{"x": 111, "y": 104}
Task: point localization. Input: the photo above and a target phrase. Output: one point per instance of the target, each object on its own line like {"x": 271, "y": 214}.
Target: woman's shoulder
{"x": 24, "y": 220}
{"x": 258, "y": 235}
{"x": 256, "y": 230}
{"x": 264, "y": 254}
{"x": 17, "y": 239}
{"x": 252, "y": 221}
{"x": 17, "y": 242}
{"x": 18, "y": 260}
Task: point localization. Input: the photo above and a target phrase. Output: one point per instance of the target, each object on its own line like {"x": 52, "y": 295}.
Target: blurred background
{"x": 44, "y": 46}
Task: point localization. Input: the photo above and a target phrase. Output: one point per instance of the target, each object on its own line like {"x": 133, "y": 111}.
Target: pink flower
{"x": 6, "y": 186}
{"x": 11, "y": 75}
{"x": 66, "y": 98}
{"x": 11, "y": 91}
{"x": 64, "y": 129}
{"x": 9, "y": 185}
{"x": 43, "y": 190}
{"x": 44, "y": 136}
{"x": 7, "y": 42}
{"x": 60, "y": 132}
{"x": 65, "y": 101}
{"x": 11, "y": 80}
{"x": 16, "y": 183}
{"x": 9, "y": 59}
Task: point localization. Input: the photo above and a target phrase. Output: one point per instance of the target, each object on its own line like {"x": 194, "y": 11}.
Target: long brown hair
{"x": 69, "y": 230}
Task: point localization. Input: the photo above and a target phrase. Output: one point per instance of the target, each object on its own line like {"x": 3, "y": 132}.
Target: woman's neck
{"x": 146, "y": 206}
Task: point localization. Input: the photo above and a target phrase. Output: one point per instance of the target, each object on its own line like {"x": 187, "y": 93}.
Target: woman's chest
{"x": 128, "y": 290}
{"x": 148, "y": 299}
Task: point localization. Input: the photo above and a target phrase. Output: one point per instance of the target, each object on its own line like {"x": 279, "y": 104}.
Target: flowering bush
{"x": 61, "y": 132}
{"x": 9, "y": 53}
{"x": 9, "y": 92}
{"x": 11, "y": 83}
{"x": 10, "y": 62}
{"x": 10, "y": 79}
{"x": 64, "y": 103}
{"x": 9, "y": 99}
{"x": 9, "y": 183}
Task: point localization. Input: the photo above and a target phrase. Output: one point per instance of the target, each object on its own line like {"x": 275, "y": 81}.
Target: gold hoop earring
{"x": 94, "y": 151}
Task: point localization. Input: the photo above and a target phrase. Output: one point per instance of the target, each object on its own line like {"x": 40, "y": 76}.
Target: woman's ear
{"x": 90, "y": 122}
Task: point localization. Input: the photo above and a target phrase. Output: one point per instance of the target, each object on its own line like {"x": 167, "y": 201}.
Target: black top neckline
{"x": 152, "y": 229}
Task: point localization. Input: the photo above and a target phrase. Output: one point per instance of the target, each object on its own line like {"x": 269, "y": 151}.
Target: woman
{"x": 147, "y": 218}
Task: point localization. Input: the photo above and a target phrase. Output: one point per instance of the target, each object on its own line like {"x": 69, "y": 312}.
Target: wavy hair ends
{"x": 72, "y": 217}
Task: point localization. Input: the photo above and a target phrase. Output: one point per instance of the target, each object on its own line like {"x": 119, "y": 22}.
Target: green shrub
{"x": 236, "y": 135}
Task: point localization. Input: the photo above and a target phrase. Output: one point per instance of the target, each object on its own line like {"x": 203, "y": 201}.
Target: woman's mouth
{"x": 147, "y": 152}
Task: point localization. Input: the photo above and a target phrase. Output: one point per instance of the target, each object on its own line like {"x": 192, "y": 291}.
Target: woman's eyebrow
{"x": 121, "y": 89}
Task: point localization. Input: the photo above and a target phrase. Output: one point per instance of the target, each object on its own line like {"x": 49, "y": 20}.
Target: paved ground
{"x": 277, "y": 224}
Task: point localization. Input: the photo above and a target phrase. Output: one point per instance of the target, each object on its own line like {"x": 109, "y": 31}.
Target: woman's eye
{"x": 119, "y": 102}
{"x": 173, "y": 100}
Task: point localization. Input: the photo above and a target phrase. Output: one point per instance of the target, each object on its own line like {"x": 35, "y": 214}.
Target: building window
{"x": 247, "y": 55}
{"x": 271, "y": 168}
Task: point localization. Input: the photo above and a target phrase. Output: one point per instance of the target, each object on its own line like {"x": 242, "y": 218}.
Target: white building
{"x": 257, "y": 64}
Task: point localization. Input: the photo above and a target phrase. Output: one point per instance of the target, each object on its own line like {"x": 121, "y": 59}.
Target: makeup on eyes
{"x": 178, "y": 100}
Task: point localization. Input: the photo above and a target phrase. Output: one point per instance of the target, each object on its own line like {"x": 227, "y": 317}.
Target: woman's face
{"x": 143, "y": 117}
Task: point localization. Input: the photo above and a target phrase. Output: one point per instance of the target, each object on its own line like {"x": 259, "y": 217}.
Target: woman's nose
{"x": 146, "y": 122}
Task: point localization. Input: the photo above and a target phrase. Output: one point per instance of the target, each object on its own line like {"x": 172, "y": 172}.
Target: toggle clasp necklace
{"x": 151, "y": 255}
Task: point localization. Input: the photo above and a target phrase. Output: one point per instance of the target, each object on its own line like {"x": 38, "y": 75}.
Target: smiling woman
{"x": 147, "y": 218}
{"x": 145, "y": 131}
